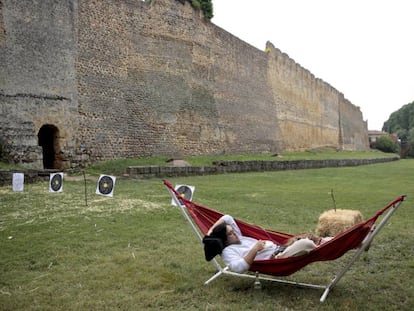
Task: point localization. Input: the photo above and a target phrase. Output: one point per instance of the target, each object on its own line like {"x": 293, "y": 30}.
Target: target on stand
{"x": 185, "y": 192}
{"x": 56, "y": 182}
{"x": 106, "y": 185}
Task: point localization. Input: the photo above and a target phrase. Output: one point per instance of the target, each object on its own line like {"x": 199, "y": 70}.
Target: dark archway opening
{"x": 48, "y": 138}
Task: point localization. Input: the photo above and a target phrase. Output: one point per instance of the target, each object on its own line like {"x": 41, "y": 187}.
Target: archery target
{"x": 18, "y": 181}
{"x": 56, "y": 182}
{"x": 185, "y": 192}
{"x": 106, "y": 185}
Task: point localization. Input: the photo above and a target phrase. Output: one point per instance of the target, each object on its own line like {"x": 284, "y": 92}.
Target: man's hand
{"x": 259, "y": 245}
{"x": 218, "y": 222}
{"x": 253, "y": 251}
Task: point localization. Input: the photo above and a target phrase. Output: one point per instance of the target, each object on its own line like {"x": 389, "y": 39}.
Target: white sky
{"x": 362, "y": 48}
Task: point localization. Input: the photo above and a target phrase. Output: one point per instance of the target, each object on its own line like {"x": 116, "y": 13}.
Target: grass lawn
{"x": 136, "y": 252}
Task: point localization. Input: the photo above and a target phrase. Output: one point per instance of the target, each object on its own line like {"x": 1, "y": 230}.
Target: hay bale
{"x": 334, "y": 222}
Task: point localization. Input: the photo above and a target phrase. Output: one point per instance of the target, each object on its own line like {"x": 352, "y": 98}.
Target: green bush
{"x": 386, "y": 144}
{"x": 206, "y": 6}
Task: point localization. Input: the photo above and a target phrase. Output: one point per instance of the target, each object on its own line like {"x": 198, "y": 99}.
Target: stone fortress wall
{"x": 106, "y": 79}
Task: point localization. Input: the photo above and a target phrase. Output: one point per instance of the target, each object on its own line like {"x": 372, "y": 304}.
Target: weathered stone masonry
{"x": 107, "y": 79}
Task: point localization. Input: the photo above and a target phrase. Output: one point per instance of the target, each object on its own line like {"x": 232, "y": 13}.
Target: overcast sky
{"x": 362, "y": 48}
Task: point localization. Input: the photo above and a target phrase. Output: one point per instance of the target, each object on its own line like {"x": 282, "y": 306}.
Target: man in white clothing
{"x": 240, "y": 251}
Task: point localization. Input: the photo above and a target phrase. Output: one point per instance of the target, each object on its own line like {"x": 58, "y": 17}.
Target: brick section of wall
{"x": 185, "y": 87}
{"x": 354, "y": 132}
{"x": 2, "y": 29}
{"x": 311, "y": 112}
{"x": 37, "y": 76}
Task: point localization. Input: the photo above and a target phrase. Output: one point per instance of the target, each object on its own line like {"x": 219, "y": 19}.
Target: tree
{"x": 402, "y": 119}
{"x": 401, "y": 123}
{"x": 410, "y": 143}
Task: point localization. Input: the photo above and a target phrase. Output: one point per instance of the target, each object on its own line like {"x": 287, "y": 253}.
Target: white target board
{"x": 185, "y": 192}
{"x": 18, "y": 181}
{"x": 106, "y": 185}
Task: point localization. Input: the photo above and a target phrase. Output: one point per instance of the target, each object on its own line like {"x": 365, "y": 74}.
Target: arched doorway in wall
{"x": 48, "y": 138}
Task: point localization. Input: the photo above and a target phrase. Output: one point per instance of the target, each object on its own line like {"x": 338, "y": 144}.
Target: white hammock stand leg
{"x": 364, "y": 245}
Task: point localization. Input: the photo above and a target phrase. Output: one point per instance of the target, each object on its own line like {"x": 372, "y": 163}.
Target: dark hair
{"x": 215, "y": 242}
{"x": 220, "y": 231}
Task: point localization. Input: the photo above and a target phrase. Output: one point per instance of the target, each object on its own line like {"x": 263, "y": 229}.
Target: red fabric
{"x": 205, "y": 217}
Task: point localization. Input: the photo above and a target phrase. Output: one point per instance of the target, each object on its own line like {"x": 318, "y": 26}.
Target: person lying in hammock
{"x": 238, "y": 252}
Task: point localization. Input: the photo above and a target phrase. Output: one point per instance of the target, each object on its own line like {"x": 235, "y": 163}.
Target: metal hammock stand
{"x": 357, "y": 238}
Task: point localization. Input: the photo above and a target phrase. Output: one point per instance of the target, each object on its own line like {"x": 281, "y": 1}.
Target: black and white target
{"x": 56, "y": 182}
{"x": 185, "y": 192}
{"x": 106, "y": 185}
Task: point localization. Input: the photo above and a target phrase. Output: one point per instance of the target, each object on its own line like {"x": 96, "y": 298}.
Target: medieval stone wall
{"x": 179, "y": 83}
{"x": 135, "y": 78}
{"x": 307, "y": 106}
{"x": 37, "y": 76}
{"x": 354, "y": 132}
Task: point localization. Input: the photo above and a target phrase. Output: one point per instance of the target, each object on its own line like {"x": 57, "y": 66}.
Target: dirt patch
{"x": 80, "y": 177}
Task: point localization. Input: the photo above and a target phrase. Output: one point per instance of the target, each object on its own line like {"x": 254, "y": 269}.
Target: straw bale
{"x": 333, "y": 222}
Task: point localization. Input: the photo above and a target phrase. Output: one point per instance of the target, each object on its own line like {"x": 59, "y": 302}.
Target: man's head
{"x": 226, "y": 234}
{"x": 231, "y": 236}
{"x": 220, "y": 232}
{"x": 215, "y": 242}
{"x": 221, "y": 236}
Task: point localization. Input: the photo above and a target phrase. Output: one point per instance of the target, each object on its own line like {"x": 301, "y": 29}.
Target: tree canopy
{"x": 401, "y": 123}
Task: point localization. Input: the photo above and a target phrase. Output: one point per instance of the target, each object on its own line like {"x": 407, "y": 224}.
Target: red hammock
{"x": 352, "y": 238}
{"x": 357, "y": 237}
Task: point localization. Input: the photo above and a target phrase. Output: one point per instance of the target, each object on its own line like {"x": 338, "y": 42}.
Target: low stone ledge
{"x": 220, "y": 167}
{"x": 30, "y": 176}
{"x": 223, "y": 167}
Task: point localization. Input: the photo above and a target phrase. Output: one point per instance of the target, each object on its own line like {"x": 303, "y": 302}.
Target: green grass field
{"x": 136, "y": 252}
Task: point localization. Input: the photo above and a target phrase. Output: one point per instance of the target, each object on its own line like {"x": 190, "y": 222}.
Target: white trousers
{"x": 297, "y": 248}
